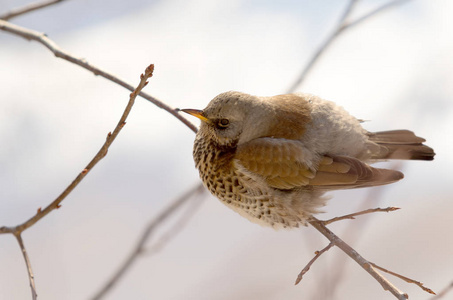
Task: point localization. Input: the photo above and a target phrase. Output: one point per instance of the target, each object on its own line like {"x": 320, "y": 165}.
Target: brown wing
{"x": 358, "y": 175}
{"x": 281, "y": 163}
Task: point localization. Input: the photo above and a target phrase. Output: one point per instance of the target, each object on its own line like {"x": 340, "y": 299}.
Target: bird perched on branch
{"x": 271, "y": 159}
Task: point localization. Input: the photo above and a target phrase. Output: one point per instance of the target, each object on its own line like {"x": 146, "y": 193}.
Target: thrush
{"x": 272, "y": 159}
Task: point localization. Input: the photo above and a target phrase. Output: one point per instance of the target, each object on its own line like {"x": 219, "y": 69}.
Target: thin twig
{"x": 28, "y": 8}
{"x": 31, "y": 277}
{"x": 59, "y": 52}
{"x": 443, "y": 292}
{"x": 342, "y": 26}
{"x": 139, "y": 247}
{"x": 353, "y": 233}
{"x": 307, "y": 267}
{"x": 363, "y": 212}
{"x": 179, "y": 225}
{"x": 100, "y": 154}
{"x": 322, "y": 48}
{"x": 375, "y": 12}
{"x": 54, "y": 48}
{"x": 365, "y": 264}
{"x": 407, "y": 279}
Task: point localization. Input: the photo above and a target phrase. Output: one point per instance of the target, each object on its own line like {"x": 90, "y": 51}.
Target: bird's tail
{"x": 400, "y": 144}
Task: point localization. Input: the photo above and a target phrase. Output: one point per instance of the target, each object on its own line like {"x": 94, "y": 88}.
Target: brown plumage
{"x": 271, "y": 159}
{"x": 401, "y": 144}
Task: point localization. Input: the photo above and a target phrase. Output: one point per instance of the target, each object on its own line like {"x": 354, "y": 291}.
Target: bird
{"x": 272, "y": 159}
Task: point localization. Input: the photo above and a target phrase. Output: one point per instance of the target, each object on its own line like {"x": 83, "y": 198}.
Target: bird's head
{"x": 226, "y": 120}
{"x": 234, "y": 118}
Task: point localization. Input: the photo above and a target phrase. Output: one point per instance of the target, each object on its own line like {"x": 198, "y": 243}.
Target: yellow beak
{"x": 196, "y": 113}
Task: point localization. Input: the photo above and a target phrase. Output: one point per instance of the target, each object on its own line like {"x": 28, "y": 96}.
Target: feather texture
{"x": 271, "y": 159}
{"x": 281, "y": 163}
{"x": 400, "y": 144}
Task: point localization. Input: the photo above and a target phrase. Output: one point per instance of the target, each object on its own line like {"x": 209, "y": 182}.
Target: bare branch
{"x": 28, "y": 8}
{"x": 101, "y": 154}
{"x": 174, "y": 230}
{"x": 343, "y": 25}
{"x": 407, "y": 279}
{"x": 348, "y": 11}
{"x": 365, "y": 264}
{"x": 363, "y": 212}
{"x": 353, "y": 232}
{"x": 140, "y": 246}
{"x": 307, "y": 267}
{"x": 375, "y": 12}
{"x": 55, "y": 49}
{"x": 31, "y": 277}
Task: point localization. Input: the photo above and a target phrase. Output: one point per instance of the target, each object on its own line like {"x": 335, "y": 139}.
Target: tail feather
{"x": 400, "y": 144}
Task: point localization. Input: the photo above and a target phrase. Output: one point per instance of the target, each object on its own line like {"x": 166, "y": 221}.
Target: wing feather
{"x": 283, "y": 164}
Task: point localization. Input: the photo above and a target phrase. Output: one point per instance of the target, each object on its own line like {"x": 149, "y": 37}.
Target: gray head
{"x": 234, "y": 118}
{"x": 226, "y": 117}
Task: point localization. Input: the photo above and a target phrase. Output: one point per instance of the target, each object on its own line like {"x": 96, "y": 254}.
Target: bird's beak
{"x": 196, "y": 113}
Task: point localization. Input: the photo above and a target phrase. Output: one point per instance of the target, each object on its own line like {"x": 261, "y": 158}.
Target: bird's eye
{"x": 223, "y": 123}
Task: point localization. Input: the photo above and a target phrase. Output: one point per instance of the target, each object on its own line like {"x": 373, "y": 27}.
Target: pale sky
{"x": 394, "y": 70}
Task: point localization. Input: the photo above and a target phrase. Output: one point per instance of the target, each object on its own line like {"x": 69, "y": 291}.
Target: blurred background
{"x": 394, "y": 69}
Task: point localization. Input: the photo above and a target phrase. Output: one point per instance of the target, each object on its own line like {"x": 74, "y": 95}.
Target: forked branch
{"x": 365, "y": 264}
{"x": 407, "y": 279}
{"x": 41, "y": 213}
{"x": 99, "y": 155}
{"x": 342, "y": 26}
{"x": 59, "y": 52}
{"x": 307, "y": 267}
{"x": 387, "y": 285}
{"x": 139, "y": 248}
